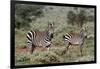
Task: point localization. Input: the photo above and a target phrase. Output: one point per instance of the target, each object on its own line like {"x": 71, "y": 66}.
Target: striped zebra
{"x": 75, "y": 39}
{"x": 40, "y": 38}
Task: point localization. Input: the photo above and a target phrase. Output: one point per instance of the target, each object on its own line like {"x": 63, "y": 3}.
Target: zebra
{"x": 75, "y": 39}
{"x": 40, "y": 38}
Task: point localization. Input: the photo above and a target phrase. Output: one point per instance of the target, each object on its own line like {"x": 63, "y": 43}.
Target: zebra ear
{"x": 53, "y": 23}
{"x": 85, "y": 27}
{"x": 63, "y": 36}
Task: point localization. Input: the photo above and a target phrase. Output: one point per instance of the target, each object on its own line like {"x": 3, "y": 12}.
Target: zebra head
{"x": 50, "y": 30}
{"x": 83, "y": 32}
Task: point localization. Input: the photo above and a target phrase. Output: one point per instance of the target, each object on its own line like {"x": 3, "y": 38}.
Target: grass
{"x": 54, "y": 55}
{"x": 23, "y": 57}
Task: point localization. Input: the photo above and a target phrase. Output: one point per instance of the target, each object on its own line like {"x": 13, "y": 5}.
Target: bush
{"x": 79, "y": 17}
{"x": 24, "y": 14}
{"x": 71, "y": 17}
{"x": 22, "y": 60}
{"x": 46, "y": 58}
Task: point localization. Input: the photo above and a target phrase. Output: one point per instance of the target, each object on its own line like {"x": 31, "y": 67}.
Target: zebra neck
{"x": 49, "y": 35}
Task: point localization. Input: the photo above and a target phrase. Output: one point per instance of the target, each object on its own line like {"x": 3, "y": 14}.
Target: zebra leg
{"x": 48, "y": 47}
{"x": 66, "y": 49}
{"x": 29, "y": 46}
{"x": 81, "y": 49}
{"x": 32, "y": 49}
{"x": 68, "y": 46}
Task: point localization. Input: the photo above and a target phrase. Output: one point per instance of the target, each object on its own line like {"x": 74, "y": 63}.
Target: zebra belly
{"x": 76, "y": 42}
{"x": 42, "y": 44}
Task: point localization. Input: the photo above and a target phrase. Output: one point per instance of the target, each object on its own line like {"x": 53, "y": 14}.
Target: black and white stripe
{"x": 75, "y": 39}
{"x": 40, "y": 38}
{"x": 30, "y": 35}
{"x": 67, "y": 37}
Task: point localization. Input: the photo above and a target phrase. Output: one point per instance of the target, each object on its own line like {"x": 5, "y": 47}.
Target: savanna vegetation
{"x": 66, "y": 19}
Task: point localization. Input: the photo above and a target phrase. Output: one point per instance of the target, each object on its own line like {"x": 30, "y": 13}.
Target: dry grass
{"x": 54, "y": 55}
{"x": 22, "y": 56}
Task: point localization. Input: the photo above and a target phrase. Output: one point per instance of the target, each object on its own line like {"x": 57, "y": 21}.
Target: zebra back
{"x": 75, "y": 38}
{"x": 40, "y": 38}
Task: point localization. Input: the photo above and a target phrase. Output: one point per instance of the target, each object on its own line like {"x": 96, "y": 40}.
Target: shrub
{"x": 24, "y": 14}
{"x": 46, "y": 58}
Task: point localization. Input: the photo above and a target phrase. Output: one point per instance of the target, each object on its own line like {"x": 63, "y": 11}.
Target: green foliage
{"x": 23, "y": 60}
{"x": 24, "y": 14}
{"x": 79, "y": 17}
{"x": 90, "y": 18}
{"x": 54, "y": 55}
{"x": 82, "y": 17}
{"x": 71, "y": 17}
{"x": 46, "y": 57}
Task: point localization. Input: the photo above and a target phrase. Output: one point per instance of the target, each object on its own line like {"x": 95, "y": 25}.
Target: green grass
{"x": 57, "y": 16}
{"x": 55, "y": 53}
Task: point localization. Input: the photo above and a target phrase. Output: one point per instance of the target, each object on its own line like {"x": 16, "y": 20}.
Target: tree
{"x": 71, "y": 17}
{"x": 82, "y": 17}
{"x": 25, "y": 13}
{"x": 77, "y": 17}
